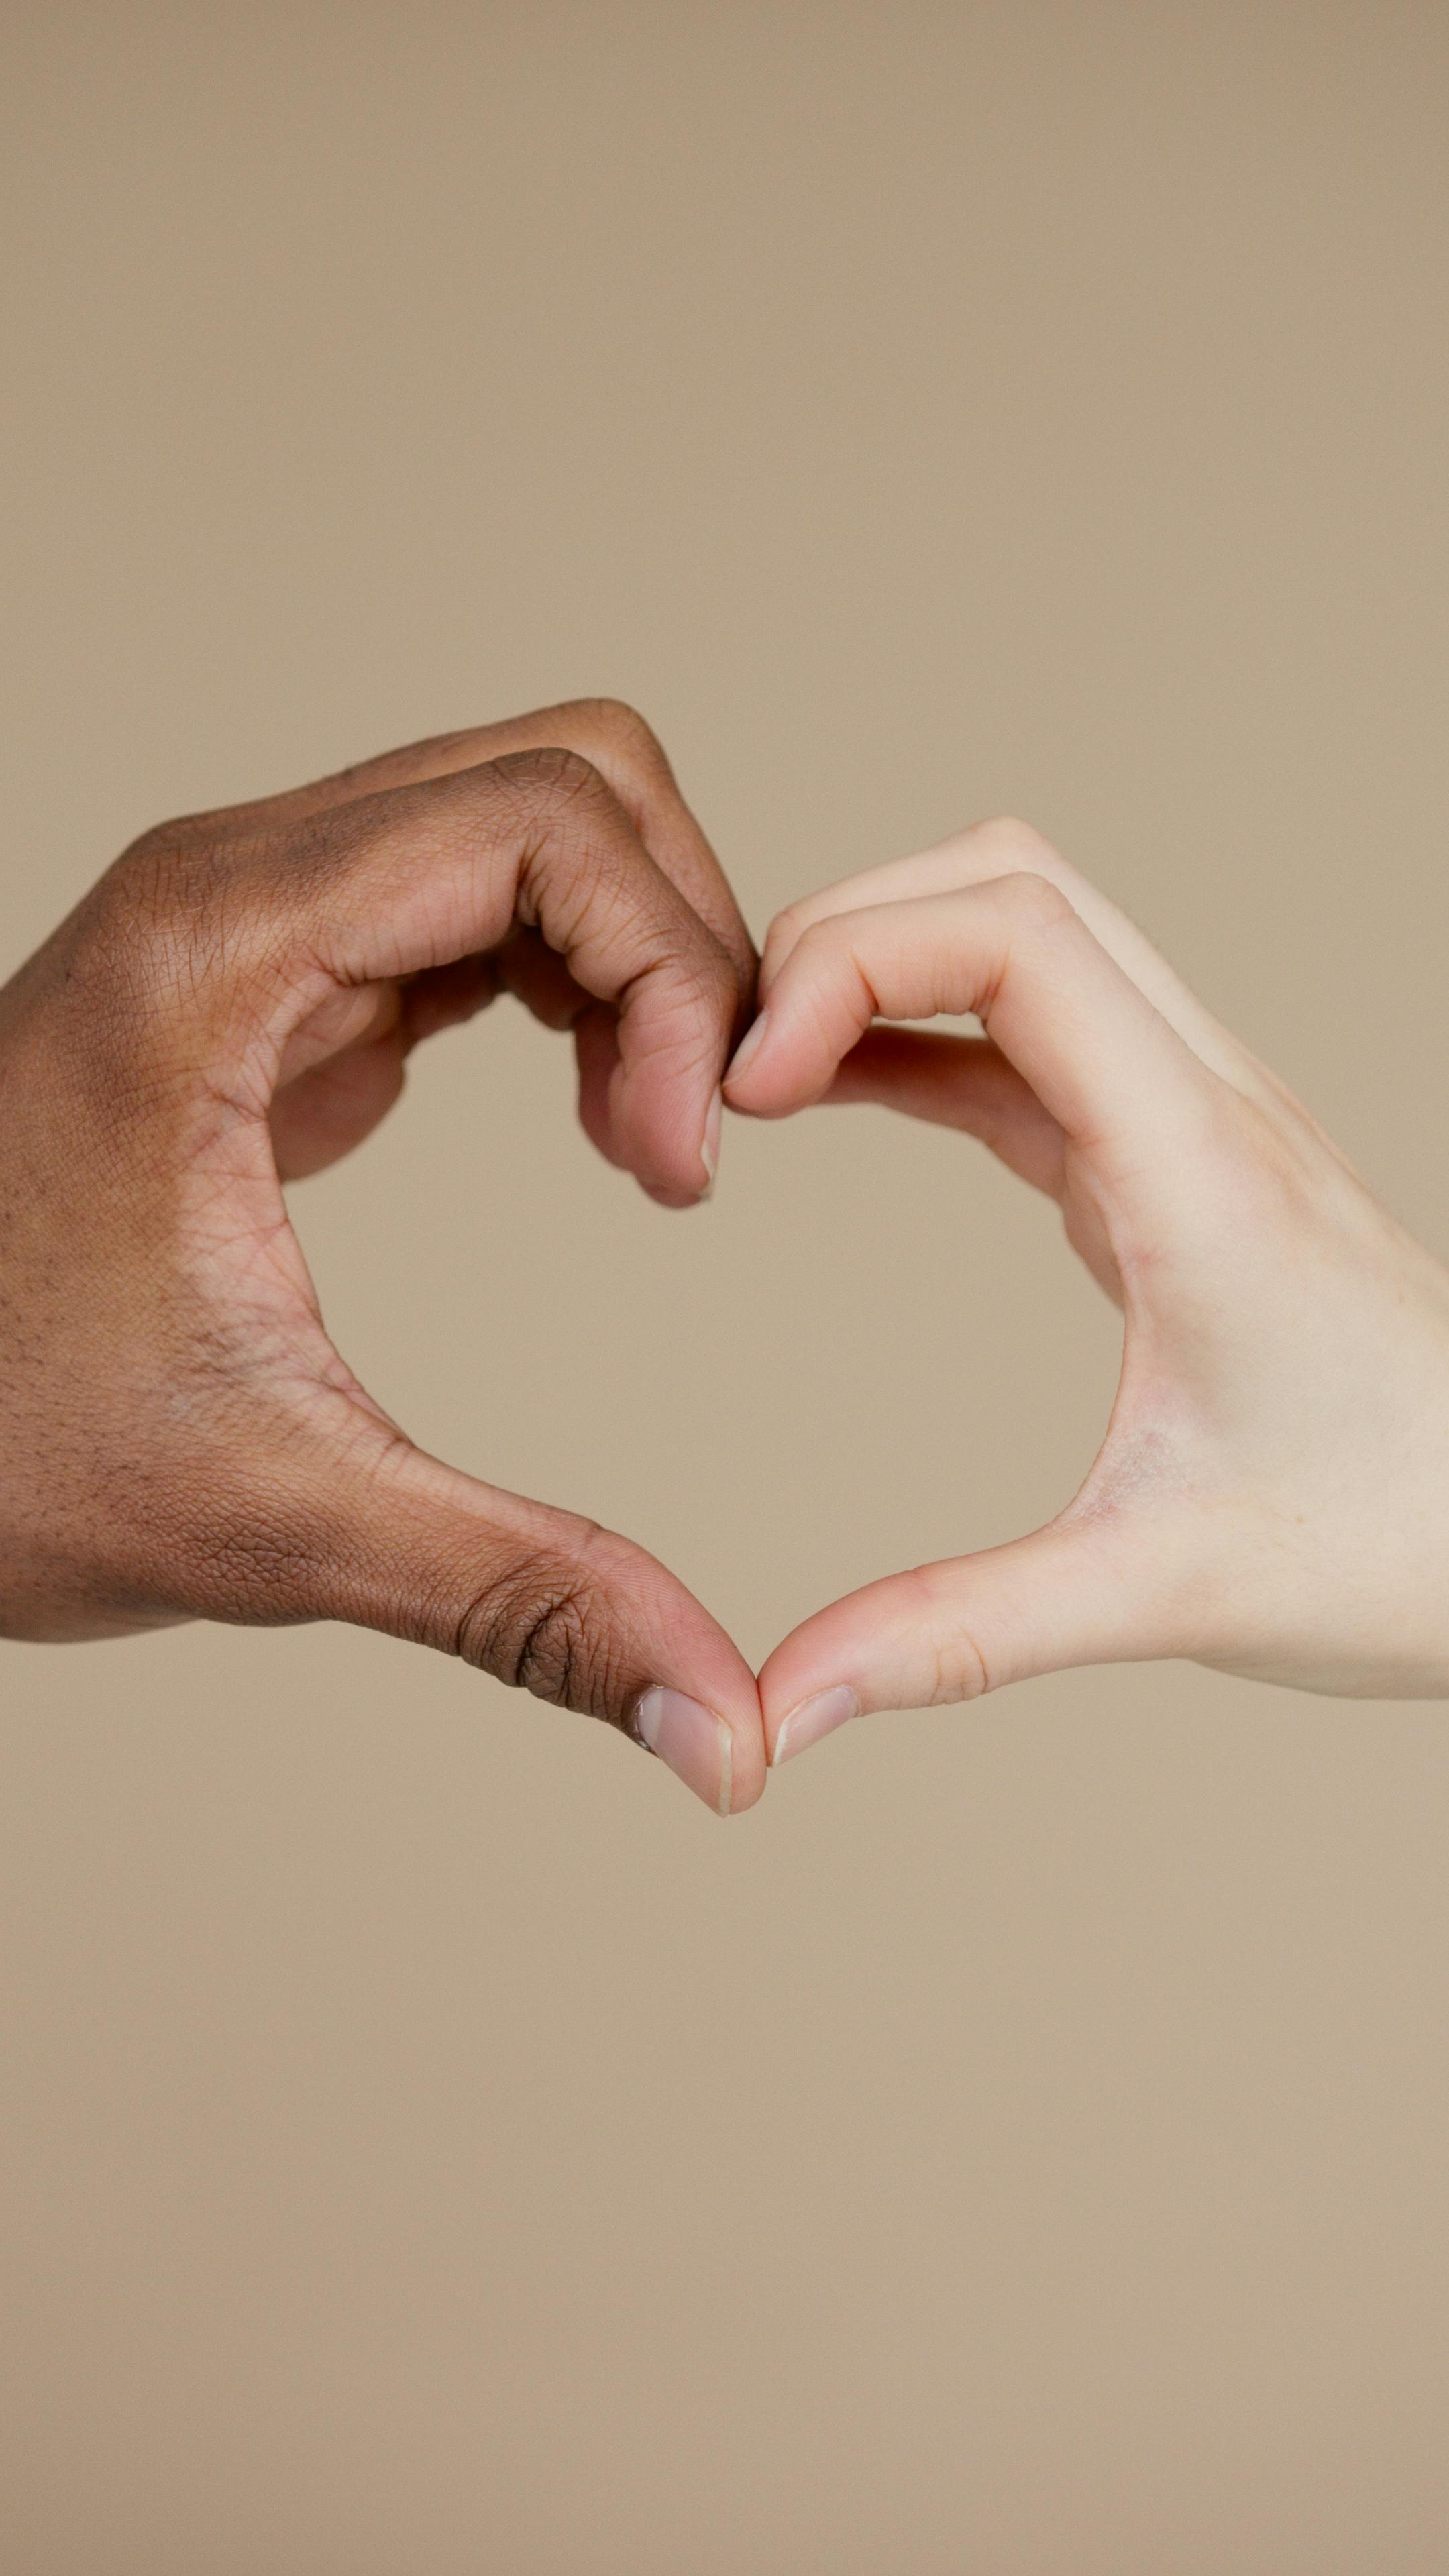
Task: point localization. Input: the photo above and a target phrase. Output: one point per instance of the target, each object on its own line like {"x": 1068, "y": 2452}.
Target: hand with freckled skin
{"x": 232, "y": 1007}
{"x": 1272, "y": 1494}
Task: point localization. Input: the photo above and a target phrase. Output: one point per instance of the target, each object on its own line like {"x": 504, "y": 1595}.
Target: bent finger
{"x": 421, "y": 877}
{"x": 616, "y": 741}
{"x": 1096, "y": 1053}
{"x": 1005, "y": 847}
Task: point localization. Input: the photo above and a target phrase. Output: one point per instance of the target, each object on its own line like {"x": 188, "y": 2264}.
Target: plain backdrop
{"x": 432, "y": 2144}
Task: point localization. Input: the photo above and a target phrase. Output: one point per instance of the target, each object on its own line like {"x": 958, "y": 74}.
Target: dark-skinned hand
{"x": 230, "y": 1008}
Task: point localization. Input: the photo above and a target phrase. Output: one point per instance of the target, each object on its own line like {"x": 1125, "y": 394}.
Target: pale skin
{"x": 1272, "y": 1494}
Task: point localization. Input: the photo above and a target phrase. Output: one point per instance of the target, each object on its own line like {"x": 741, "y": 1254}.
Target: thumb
{"x": 537, "y": 1597}
{"x": 1066, "y": 1595}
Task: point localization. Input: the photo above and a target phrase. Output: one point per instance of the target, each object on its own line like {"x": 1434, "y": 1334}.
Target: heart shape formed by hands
{"x": 232, "y": 1007}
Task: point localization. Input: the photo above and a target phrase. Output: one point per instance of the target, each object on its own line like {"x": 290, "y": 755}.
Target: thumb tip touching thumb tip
{"x": 696, "y": 1745}
{"x": 813, "y": 1718}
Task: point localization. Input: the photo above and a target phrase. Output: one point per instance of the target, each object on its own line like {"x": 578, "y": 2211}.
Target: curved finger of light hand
{"x": 1002, "y": 847}
{"x": 1096, "y": 1053}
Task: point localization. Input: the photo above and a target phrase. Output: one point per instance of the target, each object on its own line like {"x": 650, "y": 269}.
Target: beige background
{"x": 429, "y": 2142}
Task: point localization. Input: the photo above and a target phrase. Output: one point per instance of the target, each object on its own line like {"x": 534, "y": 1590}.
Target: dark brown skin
{"x": 231, "y": 1007}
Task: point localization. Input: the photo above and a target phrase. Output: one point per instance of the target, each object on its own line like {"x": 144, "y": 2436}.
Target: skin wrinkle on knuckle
{"x": 953, "y": 1663}
{"x": 637, "y": 768}
{"x": 695, "y": 962}
{"x": 541, "y": 1625}
{"x": 676, "y": 1013}
{"x": 681, "y": 1036}
{"x": 506, "y": 813}
{"x": 177, "y": 926}
{"x": 960, "y": 1670}
{"x": 1030, "y": 908}
{"x": 552, "y": 777}
{"x": 600, "y": 897}
{"x": 1022, "y": 852}
{"x": 957, "y": 1666}
{"x": 674, "y": 948}
{"x": 579, "y": 857}
{"x": 560, "y": 892}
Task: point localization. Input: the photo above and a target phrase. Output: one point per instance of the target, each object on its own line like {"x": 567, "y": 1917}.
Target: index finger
{"x": 616, "y": 741}
{"x": 1098, "y": 1055}
{"x": 419, "y": 876}
{"x": 1005, "y": 847}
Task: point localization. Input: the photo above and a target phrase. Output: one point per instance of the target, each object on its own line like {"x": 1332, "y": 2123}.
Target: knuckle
{"x": 128, "y": 968}
{"x": 959, "y": 1670}
{"x": 1008, "y": 847}
{"x": 957, "y": 1665}
{"x": 540, "y": 1624}
{"x": 1036, "y": 901}
{"x": 686, "y": 1027}
{"x": 625, "y": 728}
{"x": 707, "y": 992}
{"x": 1016, "y": 846}
{"x": 820, "y": 943}
{"x": 164, "y": 935}
{"x": 709, "y": 971}
{"x": 148, "y": 885}
{"x": 552, "y": 775}
{"x": 162, "y": 847}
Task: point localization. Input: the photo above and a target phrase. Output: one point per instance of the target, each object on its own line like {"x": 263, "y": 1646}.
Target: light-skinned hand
{"x": 1272, "y": 1494}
